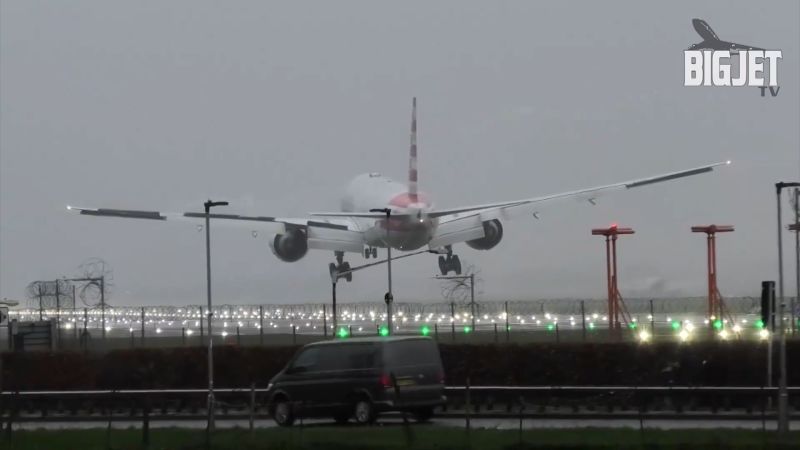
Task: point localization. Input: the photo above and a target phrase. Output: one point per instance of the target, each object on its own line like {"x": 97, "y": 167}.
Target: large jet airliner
{"x": 712, "y": 42}
{"x": 379, "y": 212}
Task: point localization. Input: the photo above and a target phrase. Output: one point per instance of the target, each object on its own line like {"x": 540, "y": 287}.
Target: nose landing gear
{"x": 340, "y": 266}
{"x": 450, "y": 263}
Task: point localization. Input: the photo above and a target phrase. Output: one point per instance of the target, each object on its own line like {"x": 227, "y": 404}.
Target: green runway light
{"x": 759, "y": 324}
{"x": 632, "y": 325}
{"x": 425, "y": 330}
{"x": 384, "y": 331}
{"x": 591, "y": 325}
{"x": 718, "y": 324}
{"x": 467, "y": 330}
{"x": 343, "y": 332}
{"x": 675, "y": 325}
{"x": 550, "y": 327}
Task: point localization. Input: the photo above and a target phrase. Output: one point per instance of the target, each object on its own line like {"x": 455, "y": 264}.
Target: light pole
{"x": 783, "y": 395}
{"x": 796, "y": 228}
{"x": 210, "y": 425}
{"x": 388, "y": 298}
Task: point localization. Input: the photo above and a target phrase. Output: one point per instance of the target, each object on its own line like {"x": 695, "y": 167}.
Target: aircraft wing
{"x": 505, "y": 210}
{"x": 323, "y": 234}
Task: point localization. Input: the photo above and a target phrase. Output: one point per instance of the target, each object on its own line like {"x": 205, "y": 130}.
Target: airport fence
{"x": 511, "y": 321}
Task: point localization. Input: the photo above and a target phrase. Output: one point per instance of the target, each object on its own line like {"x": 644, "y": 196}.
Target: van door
{"x": 417, "y": 367}
{"x": 303, "y": 380}
{"x": 349, "y": 367}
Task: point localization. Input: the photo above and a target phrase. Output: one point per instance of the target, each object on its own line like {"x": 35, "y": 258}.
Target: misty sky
{"x": 274, "y": 106}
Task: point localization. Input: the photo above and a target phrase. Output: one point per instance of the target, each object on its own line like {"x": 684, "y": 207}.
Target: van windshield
{"x": 419, "y": 352}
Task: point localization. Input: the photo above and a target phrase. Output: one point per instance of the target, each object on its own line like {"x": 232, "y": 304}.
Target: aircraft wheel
{"x": 367, "y": 252}
{"x": 344, "y": 267}
{"x": 332, "y": 269}
{"x": 443, "y": 266}
{"x": 374, "y": 252}
{"x": 456, "y": 264}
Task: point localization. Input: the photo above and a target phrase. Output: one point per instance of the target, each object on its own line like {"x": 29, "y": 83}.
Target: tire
{"x": 456, "y": 264}
{"x": 367, "y": 253}
{"x": 344, "y": 268}
{"x": 364, "y": 411}
{"x": 374, "y": 252}
{"x": 423, "y": 415}
{"x": 282, "y": 413}
{"x": 442, "y": 265}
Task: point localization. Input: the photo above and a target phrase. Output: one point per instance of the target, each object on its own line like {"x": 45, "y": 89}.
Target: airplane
{"x": 712, "y": 42}
{"x": 377, "y": 212}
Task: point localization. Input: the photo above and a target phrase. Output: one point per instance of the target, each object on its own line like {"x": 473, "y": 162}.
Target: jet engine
{"x": 291, "y": 246}
{"x": 492, "y": 234}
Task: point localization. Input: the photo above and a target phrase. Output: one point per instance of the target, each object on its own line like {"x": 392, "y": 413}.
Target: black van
{"x": 359, "y": 378}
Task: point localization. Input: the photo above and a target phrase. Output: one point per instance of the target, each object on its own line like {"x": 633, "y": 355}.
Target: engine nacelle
{"x": 493, "y": 233}
{"x": 291, "y": 246}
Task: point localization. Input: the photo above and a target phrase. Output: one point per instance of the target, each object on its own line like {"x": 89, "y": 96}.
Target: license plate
{"x": 406, "y": 382}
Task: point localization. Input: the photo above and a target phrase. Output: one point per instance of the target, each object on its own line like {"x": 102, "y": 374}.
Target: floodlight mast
{"x": 388, "y": 298}
{"x": 210, "y": 402}
{"x": 783, "y": 394}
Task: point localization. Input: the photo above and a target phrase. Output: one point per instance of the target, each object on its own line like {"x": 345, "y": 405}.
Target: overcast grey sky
{"x": 274, "y": 106}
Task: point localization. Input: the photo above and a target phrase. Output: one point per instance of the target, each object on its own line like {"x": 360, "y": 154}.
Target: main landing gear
{"x": 450, "y": 263}
{"x": 370, "y": 252}
{"x": 340, "y": 266}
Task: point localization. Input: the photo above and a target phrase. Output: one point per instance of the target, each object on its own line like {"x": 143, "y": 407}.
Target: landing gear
{"x": 340, "y": 266}
{"x": 370, "y": 252}
{"x": 450, "y": 263}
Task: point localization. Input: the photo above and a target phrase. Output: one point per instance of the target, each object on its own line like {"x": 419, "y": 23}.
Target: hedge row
{"x": 701, "y": 363}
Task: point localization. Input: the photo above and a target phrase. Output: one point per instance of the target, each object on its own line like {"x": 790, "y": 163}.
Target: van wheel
{"x": 364, "y": 412}
{"x": 282, "y": 413}
{"x": 422, "y": 415}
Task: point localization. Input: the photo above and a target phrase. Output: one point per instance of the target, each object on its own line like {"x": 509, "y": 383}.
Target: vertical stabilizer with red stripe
{"x": 412, "y": 161}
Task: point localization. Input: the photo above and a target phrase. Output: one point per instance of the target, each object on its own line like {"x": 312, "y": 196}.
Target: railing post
{"x": 294, "y": 334}
{"x": 142, "y": 326}
{"x": 261, "y": 325}
{"x": 583, "y": 320}
{"x": 146, "y": 423}
{"x": 325, "y": 322}
{"x": 252, "y": 405}
{"x": 468, "y": 405}
{"x": 508, "y": 329}
{"x": 453, "y": 321}
{"x": 202, "y": 334}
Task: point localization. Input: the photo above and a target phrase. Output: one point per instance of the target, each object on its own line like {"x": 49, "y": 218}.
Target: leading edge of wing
{"x": 624, "y": 185}
{"x": 157, "y": 215}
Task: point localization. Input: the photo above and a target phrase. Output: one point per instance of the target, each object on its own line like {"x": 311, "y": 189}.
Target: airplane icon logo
{"x": 712, "y": 42}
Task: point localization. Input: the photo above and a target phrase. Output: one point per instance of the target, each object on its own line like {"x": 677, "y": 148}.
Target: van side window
{"x": 411, "y": 353}
{"x": 307, "y": 361}
{"x": 348, "y": 357}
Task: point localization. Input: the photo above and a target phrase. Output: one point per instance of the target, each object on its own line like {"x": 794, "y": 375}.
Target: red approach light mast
{"x": 716, "y": 304}
{"x": 616, "y": 306}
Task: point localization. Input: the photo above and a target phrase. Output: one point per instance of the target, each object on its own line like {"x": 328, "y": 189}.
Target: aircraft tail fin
{"x": 412, "y": 160}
